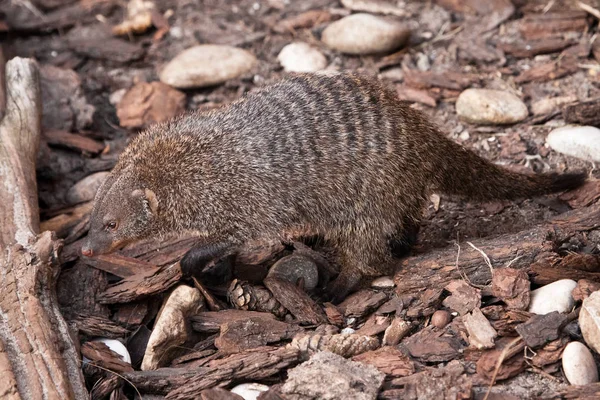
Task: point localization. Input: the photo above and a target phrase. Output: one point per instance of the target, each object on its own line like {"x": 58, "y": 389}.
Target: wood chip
{"x": 512, "y": 364}
{"x": 211, "y": 321}
{"x": 481, "y": 333}
{"x": 397, "y": 330}
{"x": 361, "y": 303}
{"x": 73, "y": 141}
{"x": 415, "y": 95}
{"x": 533, "y": 48}
{"x": 121, "y": 266}
{"x": 464, "y": 298}
{"x": 447, "y": 79}
{"x": 583, "y": 113}
{"x": 305, "y": 20}
{"x": 374, "y": 325}
{"x": 246, "y": 334}
{"x": 583, "y": 196}
{"x": 430, "y": 346}
{"x": 541, "y": 329}
{"x": 548, "y": 72}
{"x": 100, "y": 354}
{"x": 99, "y": 326}
{"x": 541, "y": 26}
{"x": 584, "y": 289}
{"x": 296, "y": 301}
{"x": 512, "y": 287}
{"x": 388, "y": 360}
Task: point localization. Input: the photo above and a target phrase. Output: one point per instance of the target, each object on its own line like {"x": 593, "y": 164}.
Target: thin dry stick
{"x": 485, "y": 256}
{"x": 462, "y": 273}
{"x": 589, "y": 9}
{"x": 510, "y": 350}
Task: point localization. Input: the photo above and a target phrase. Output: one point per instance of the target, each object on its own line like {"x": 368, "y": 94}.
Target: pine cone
{"x": 244, "y": 296}
{"x": 345, "y": 345}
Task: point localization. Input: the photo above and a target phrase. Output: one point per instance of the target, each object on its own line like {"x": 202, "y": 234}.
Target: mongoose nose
{"x": 87, "y": 252}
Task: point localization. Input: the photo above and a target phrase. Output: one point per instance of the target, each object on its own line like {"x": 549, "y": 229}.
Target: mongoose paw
{"x": 211, "y": 264}
{"x": 340, "y": 287}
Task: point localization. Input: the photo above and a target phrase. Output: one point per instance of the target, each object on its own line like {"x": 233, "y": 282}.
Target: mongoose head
{"x": 122, "y": 213}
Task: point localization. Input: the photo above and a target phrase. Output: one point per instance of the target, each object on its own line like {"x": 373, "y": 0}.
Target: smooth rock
{"x": 579, "y": 365}
{"x": 293, "y": 267}
{"x": 589, "y": 321}
{"x": 549, "y": 105}
{"x": 556, "y": 296}
{"x": 577, "y": 141}
{"x": 301, "y": 57}
{"x": 249, "y": 391}
{"x": 172, "y": 327}
{"x": 488, "y": 107}
{"x": 383, "y": 282}
{"x": 365, "y": 34}
{"x": 86, "y": 189}
{"x": 206, "y": 65}
{"x": 441, "y": 318}
{"x": 117, "y": 347}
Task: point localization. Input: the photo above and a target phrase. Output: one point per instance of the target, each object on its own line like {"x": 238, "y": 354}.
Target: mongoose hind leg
{"x": 360, "y": 256}
{"x": 403, "y": 240}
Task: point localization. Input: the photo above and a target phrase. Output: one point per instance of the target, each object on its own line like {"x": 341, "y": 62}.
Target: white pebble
{"x": 347, "y": 331}
{"x": 589, "y": 320}
{"x": 365, "y": 34}
{"x": 487, "y": 106}
{"x": 383, "y": 282}
{"x": 206, "y": 65}
{"x": 555, "y": 296}
{"x": 249, "y": 391}
{"x": 578, "y": 141}
{"x": 579, "y": 365}
{"x": 301, "y": 57}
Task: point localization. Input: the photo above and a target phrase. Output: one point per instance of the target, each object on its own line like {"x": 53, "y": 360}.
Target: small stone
{"x": 249, "y": 391}
{"x": 206, "y": 65}
{"x": 552, "y": 104}
{"x": 173, "y": 327}
{"x": 577, "y": 141}
{"x": 394, "y": 333}
{"x": 328, "y": 376}
{"x": 301, "y": 57}
{"x": 579, "y": 365}
{"x": 488, "y": 107}
{"x": 148, "y": 103}
{"x": 589, "y": 321}
{"x": 293, "y": 267}
{"x": 86, "y": 189}
{"x": 441, "y": 318}
{"x": 365, "y": 34}
{"x": 383, "y": 282}
{"x": 556, "y": 296}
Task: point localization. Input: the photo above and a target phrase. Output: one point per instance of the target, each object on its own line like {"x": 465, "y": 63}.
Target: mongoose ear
{"x": 152, "y": 200}
{"x": 148, "y": 197}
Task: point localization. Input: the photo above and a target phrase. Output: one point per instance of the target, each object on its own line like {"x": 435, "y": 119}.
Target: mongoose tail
{"x": 464, "y": 173}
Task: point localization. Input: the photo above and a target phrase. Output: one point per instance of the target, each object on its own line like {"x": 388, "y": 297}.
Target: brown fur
{"x": 332, "y": 154}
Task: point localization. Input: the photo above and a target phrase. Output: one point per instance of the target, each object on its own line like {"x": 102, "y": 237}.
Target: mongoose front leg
{"x": 198, "y": 259}
{"x": 347, "y": 280}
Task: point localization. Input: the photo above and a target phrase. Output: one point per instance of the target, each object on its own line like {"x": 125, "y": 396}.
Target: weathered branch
{"x": 38, "y": 358}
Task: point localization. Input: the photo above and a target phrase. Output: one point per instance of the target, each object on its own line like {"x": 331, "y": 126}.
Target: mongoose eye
{"x": 112, "y": 225}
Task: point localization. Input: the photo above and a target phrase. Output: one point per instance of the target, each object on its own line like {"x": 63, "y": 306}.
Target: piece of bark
{"x": 105, "y": 386}
{"x": 98, "y": 326}
{"x": 148, "y": 103}
{"x": 481, "y": 333}
{"x": 550, "y": 268}
{"x": 333, "y": 314}
{"x": 195, "y": 359}
{"x": 146, "y": 283}
{"x": 37, "y": 354}
{"x": 374, "y": 325}
{"x": 475, "y": 6}
{"x": 172, "y": 329}
{"x": 437, "y": 268}
{"x": 388, "y": 360}
{"x": 583, "y": 196}
{"x": 426, "y": 304}
{"x": 549, "y": 71}
{"x": 100, "y": 354}
{"x": 345, "y": 345}
{"x": 361, "y": 303}
{"x": 540, "y": 26}
{"x": 63, "y": 223}
{"x": 464, "y": 299}
{"x": 512, "y": 287}
{"x": 550, "y": 353}
{"x": 296, "y": 301}
{"x": 415, "y": 95}
{"x": 533, "y": 48}
{"x": 449, "y": 382}
{"x": 541, "y": 329}
{"x": 246, "y": 334}
{"x": 584, "y": 289}
{"x": 505, "y": 321}
{"x": 584, "y": 113}
{"x": 131, "y": 315}
{"x": 589, "y": 391}
{"x": 211, "y": 321}
{"x": 188, "y": 383}
{"x": 120, "y": 265}
{"x": 96, "y": 41}
{"x": 430, "y": 345}
{"x": 513, "y": 361}
{"x": 304, "y": 20}
{"x": 73, "y": 141}
{"x": 245, "y": 296}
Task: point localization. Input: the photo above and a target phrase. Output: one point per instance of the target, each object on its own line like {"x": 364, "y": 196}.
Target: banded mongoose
{"x": 331, "y": 154}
